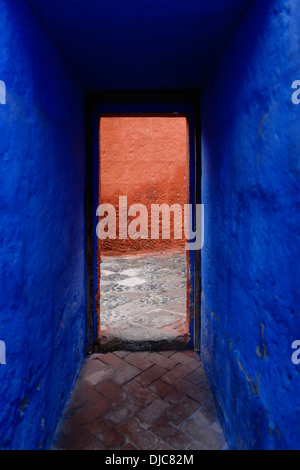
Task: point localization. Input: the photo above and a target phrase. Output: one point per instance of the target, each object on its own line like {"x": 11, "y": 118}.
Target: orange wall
{"x": 145, "y": 159}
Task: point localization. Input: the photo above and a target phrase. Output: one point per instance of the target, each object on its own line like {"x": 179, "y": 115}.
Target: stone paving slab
{"x": 143, "y": 302}
{"x": 141, "y": 401}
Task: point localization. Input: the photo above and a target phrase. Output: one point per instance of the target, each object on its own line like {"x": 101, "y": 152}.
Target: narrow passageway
{"x": 106, "y": 110}
{"x": 143, "y": 188}
{"x": 141, "y": 401}
{"x": 143, "y": 302}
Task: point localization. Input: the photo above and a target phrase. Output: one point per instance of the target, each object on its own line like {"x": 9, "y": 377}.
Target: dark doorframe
{"x": 198, "y": 200}
{"x": 157, "y": 103}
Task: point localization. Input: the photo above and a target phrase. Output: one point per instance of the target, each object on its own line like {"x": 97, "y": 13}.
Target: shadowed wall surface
{"x": 250, "y": 262}
{"x": 42, "y": 265}
{"x": 134, "y": 45}
{"x": 145, "y": 159}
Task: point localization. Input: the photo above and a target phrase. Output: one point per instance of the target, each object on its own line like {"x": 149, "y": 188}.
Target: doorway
{"x": 107, "y": 272}
{"x": 143, "y": 168}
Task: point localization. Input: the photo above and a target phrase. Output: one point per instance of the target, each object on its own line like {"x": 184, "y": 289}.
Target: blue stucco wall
{"x": 250, "y": 262}
{"x": 42, "y": 262}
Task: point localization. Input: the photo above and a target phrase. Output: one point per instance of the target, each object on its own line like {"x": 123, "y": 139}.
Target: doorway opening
{"x": 143, "y": 293}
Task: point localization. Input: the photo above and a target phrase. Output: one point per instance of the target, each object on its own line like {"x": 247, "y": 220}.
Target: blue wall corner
{"x": 42, "y": 253}
{"x": 250, "y": 261}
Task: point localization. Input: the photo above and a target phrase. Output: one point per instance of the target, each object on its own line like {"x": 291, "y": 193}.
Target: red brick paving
{"x": 123, "y": 376}
{"x": 196, "y": 376}
{"x": 162, "y": 361}
{"x": 112, "y": 360}
{"x": 186, "y": 360}
{"x": 113, "y": 392}
{"x": 176, "y": 374}
{"x": 150, "y": 375}
{"x": 96, "y": 445}
{"x": 141, "y": 401}
{"x": 139, "y": 391}
{"x": 171, "y": 435}
{"x": 106, "y": 434}
{"x": 138, "y": 361}
{"x": 129, "y": 447}
{"x": 166, "y": 391}
{"x": 120, "y": 414}
{"x": 121, "y": 354}
{"x": 139, "y": 436}
{"x": 90, "y": 412}
{"x": 197, "y": 393}
{"x": 183, "y": 410}
{"x": 152, "y": 412}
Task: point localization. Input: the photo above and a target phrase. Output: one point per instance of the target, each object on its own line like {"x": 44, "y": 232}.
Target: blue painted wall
{"x": 42, "y": 267}
{"x": 250, "y": 263}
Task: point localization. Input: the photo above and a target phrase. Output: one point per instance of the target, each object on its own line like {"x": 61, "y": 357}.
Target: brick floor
{"x": 148, "y": 401}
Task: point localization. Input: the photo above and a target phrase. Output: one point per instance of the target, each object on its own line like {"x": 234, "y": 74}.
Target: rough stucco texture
{"x": 145, "y": 159}
{"x": 250, "y": 263}
{"x": 42, "y": 264}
